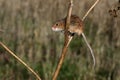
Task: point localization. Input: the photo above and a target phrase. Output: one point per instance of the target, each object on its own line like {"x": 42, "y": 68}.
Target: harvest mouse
{"x": 76, "y": 25}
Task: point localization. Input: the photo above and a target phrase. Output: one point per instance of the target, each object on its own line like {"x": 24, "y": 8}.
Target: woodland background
{"x": 27, "y": 32}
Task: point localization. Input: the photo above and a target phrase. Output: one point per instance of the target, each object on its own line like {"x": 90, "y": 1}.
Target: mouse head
{"x": 59, "y": 26}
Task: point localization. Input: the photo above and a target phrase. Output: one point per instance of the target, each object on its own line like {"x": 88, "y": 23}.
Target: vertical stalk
{"x": 66, "y": 43}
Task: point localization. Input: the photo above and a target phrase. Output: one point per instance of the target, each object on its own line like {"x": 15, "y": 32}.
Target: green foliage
{"x": 68, "y": 71}
{"x": 76, "y": 43}
{"x": 40, "y": 70}
{"x": 103, "y": 74}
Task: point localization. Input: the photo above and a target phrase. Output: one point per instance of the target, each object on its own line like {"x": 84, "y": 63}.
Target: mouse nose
{"x": 52, "y": 28}
{"x": 56, "y": 29}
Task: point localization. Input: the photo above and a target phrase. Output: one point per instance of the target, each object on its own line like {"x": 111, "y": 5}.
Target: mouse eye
{"x": 57, "y": 24}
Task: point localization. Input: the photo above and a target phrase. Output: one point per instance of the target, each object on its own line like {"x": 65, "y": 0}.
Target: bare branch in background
{"x": 21, "y": 61}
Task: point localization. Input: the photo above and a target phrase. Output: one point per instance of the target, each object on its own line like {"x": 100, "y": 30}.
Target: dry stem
{"x": 66, "y": 43}
{"x": 16, "y": 57}
{"x": 90, "y": 9}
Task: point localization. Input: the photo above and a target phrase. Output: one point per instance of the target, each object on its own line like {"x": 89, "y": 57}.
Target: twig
{"x": 21, "y": 61}
{"x": 90, "y": 9}
{"x": 64, "y": 51}
{"x": 67, "y": 41}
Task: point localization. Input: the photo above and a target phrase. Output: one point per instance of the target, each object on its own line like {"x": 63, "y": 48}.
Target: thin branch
{"x": 16, "y": 57}
{"x": 64, "y": 51}
{"x": 67, "y": 41}
{"x": 90, "y": 10}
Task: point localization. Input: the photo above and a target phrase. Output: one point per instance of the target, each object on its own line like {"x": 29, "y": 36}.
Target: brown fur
{"x": 76, "y": 25}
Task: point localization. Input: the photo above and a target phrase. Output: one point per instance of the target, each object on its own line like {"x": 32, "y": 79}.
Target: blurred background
{"x": 26, "y": 26}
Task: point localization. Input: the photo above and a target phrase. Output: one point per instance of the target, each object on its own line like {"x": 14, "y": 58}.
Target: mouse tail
{"x": 91, "y": 51}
